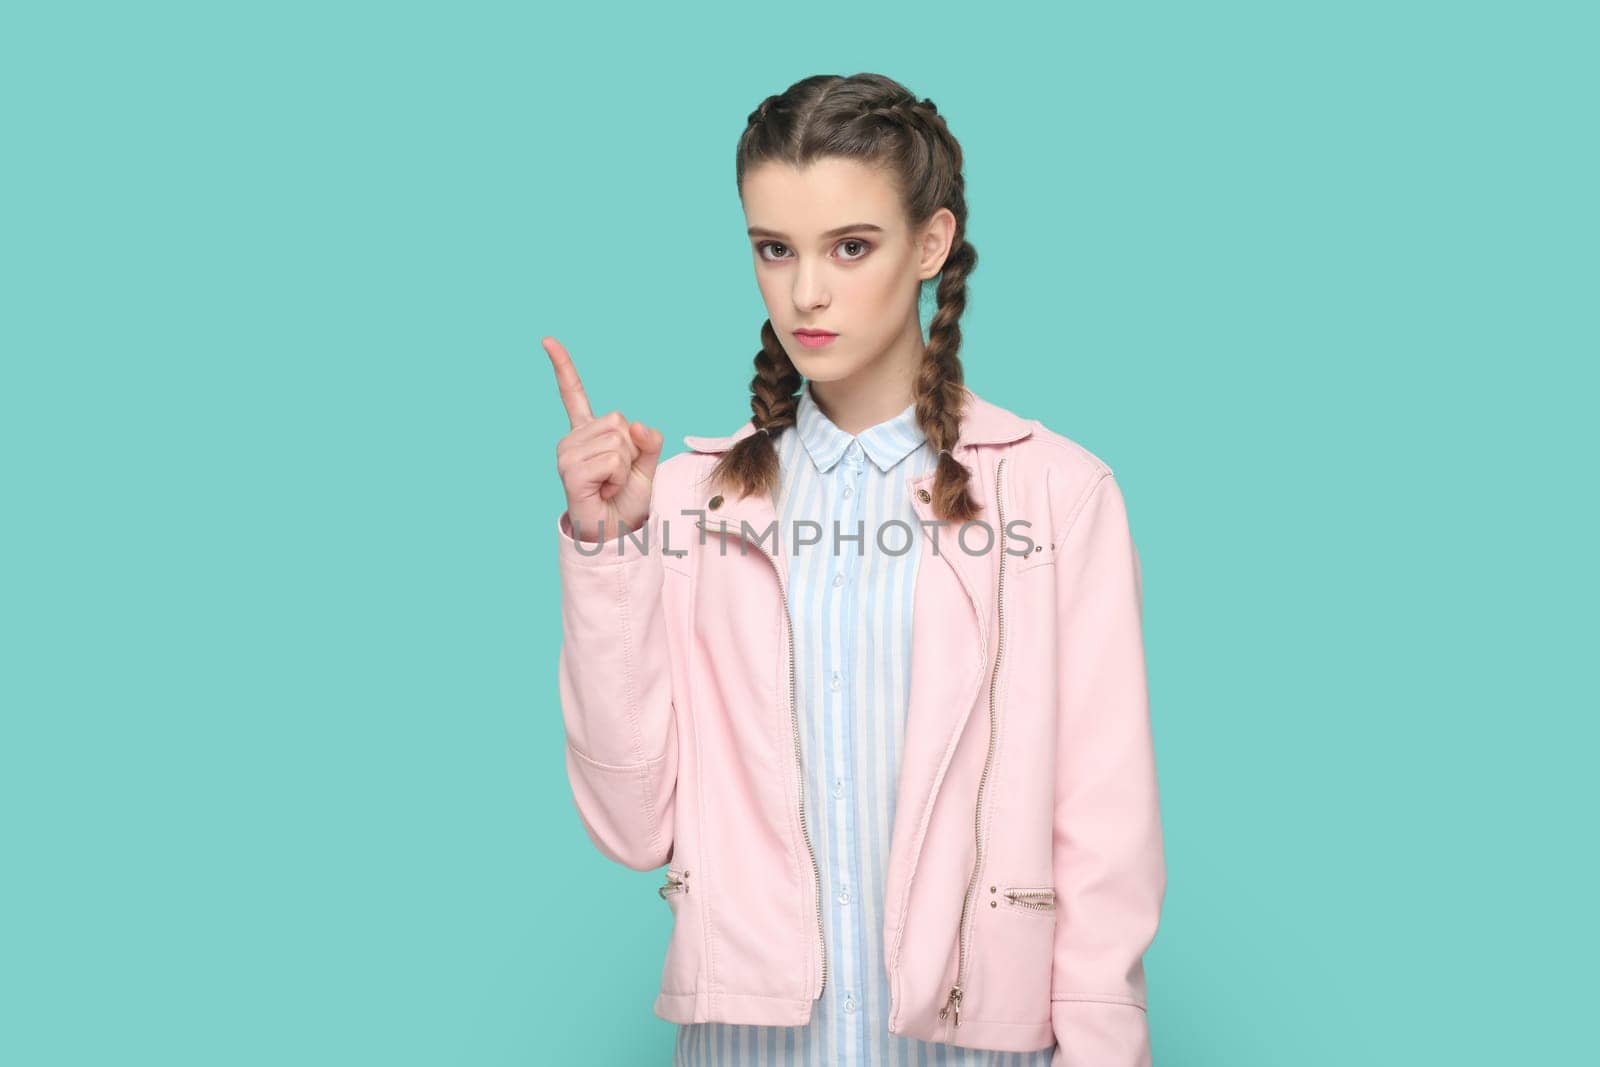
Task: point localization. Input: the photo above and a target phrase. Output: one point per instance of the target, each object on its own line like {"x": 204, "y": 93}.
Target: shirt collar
{"x": 885, "y": 443}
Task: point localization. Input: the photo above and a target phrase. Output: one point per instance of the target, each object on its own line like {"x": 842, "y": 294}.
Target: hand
{"x": 606, "y": 464}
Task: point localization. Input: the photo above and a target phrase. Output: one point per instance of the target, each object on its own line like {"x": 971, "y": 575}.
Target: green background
{"x": 281, "y": 776}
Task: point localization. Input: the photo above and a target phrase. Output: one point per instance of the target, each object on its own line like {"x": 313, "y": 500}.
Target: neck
{"x": 878, "y": 391}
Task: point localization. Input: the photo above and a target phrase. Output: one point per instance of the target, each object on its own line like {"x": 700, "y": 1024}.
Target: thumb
{"x": 649, "y": 442}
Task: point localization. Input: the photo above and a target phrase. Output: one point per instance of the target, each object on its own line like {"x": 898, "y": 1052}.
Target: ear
{"x": 938, "y": 234}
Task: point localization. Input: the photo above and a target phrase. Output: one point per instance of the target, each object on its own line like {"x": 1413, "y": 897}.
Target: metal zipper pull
{"x": 953, "y": 1003}
{"x": 674, "y": 884}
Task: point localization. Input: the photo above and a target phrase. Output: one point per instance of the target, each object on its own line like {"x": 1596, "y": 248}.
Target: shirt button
{"x": 844, "y": 896}
{"x": 838, "y": 579}
{"x": 847, "y": 491}
{"x": 835, "y": 683}
{"x": 838, "y": 787}
{"x": 850, "y": 1002}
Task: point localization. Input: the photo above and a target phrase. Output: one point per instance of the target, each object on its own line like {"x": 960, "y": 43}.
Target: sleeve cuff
{"x": 1100, "y": 1033}
{"x": 613, "y": 551}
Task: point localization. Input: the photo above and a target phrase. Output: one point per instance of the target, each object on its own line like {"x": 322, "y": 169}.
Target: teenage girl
{"x": 853, "y": 194}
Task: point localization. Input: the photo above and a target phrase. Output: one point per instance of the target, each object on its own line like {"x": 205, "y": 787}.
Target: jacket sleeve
{"x": 1109, "y": 868}
{"x": 616, "y": 695}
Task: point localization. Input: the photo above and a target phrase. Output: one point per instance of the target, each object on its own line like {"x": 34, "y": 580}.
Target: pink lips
{"x": 814, "y": 338}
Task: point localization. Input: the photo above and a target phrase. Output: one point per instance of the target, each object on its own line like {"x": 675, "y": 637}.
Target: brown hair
{"x": 875, "y": 120}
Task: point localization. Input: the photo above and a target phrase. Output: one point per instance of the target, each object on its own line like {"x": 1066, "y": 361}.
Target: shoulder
{"x": 1052, "y": 450}
{"x": 1051, "y": 478}
{"x": 682, "y": 480}
{"x": 1048, "y": 459}
{"x": 678, "y": 472}
{"x": 1033, "y": 444}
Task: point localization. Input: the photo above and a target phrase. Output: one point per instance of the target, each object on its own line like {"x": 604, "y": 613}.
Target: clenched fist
{"x": 606, "y": 464}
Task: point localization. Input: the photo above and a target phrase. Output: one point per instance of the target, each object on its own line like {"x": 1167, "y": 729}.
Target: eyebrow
{"x": 757, "y": 231}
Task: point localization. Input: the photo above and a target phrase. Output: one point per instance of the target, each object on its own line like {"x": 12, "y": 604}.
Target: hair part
{"x": 875, "y": 120}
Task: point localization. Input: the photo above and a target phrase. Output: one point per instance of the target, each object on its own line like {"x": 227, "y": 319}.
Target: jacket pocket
{"x": 680, "y": 972}
{"x": 1035, "y": 898}
{"x": 1016, "y": 949}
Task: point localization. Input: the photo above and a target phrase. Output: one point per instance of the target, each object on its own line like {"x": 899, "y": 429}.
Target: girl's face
{"x": 833, "y": 252}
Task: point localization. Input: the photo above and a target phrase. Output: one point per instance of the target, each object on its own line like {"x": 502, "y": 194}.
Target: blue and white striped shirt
{"x": 851, "y": 613}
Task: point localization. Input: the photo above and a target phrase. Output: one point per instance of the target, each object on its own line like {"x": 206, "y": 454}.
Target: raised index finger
{"x": 573, "y": 398}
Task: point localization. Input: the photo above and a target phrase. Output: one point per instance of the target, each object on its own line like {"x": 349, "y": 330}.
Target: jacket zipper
{"x": 677, "y": 882}
{"x": 953, "y": 1001}
{"x": 794, "y": 722}
{"x": 1041, "y": 899}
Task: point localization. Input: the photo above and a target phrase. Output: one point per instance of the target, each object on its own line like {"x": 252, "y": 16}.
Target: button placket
{"x": 846, "y": 568}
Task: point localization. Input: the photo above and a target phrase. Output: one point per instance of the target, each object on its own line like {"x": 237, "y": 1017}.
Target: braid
{"x": 751, "y": 465}
{"x": 921, "y": 117}
{"x": 940, "y": 383}
{"x": 774, "y": 391}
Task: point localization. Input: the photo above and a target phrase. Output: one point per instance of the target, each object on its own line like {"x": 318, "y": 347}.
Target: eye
{"x": 864, "y": 246}
{"x": 853, "y": 242}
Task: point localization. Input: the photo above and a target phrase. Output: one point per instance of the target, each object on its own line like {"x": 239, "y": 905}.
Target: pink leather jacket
{"x": 1026, "y": 871}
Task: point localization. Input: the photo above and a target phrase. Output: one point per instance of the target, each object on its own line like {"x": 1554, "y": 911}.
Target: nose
{"x": 810, "y": 291}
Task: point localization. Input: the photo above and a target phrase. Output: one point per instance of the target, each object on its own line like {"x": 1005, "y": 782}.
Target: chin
{"x": 822, "y": 368}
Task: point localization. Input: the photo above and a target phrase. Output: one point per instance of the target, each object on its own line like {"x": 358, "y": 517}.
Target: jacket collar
{"x": 982, "y": 423}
